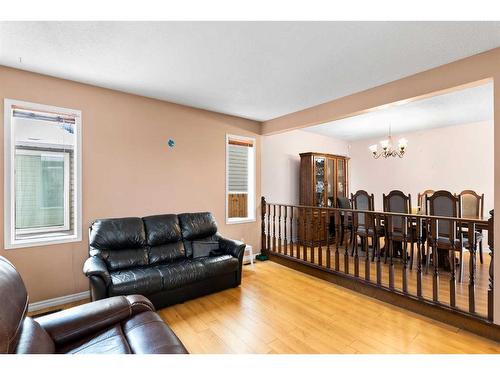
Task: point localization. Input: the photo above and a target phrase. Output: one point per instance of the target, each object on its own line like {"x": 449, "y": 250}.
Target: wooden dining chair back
{"x": 364, "y": 225}
{"x": 363, "y": 201}
{"x": 422, "y": 201}
{"x": 398, "y": 228}
{"x": 472, "y": 204}
{"x": 397, "y": 201}
{"x": 472, "y": 207}
{"x": 444, "y": 234}
{"x": 443, "y": 203}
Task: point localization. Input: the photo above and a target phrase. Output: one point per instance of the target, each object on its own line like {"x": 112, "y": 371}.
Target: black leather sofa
{"x": 168, "y": 258}
{"x": 116, "y": 325}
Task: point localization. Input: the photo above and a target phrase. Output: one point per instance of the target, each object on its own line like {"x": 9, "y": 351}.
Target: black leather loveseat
{"x": 168, "y": 258}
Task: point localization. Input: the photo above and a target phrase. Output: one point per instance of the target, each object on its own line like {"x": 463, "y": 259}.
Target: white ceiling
{"x": 455, "y": 108}
{"x": 257, "y": 70}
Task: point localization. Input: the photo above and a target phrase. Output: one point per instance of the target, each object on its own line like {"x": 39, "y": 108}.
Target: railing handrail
{"x": 383, "y": 213}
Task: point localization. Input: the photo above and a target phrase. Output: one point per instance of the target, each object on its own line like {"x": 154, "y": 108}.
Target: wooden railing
{"x": 311, "y": 236}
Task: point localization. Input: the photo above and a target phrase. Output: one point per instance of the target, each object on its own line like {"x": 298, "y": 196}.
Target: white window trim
{"x": 252, "y": 183}
{"x": 10, "y": 241}
{"x": 65, "y": 226}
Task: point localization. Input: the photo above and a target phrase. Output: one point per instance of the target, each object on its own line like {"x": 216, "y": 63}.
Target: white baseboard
{"x": 40, "y": 305}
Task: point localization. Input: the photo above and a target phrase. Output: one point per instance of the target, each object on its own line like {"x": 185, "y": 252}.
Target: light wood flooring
{"x": 462, "y": 291}
{"x": 280, "y": 310}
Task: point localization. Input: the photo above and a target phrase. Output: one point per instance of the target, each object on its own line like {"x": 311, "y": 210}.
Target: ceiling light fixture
{"x": 387, "y": 147}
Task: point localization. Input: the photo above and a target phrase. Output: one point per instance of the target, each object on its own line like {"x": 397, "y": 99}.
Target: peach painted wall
{"x": 128, "y": 169}
{"x": 281, "y": 161}
{"x": 453, "y": 158}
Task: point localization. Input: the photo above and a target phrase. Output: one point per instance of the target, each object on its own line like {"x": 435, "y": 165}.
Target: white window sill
{"x": 240, "y": 221}
{"x": 42, "y": 242}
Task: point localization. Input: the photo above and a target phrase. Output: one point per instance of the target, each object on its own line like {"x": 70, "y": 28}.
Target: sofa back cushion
{"x": 164, "y": 238}
{"x": 198, "y": 226}
{"x": 121, "y": 243}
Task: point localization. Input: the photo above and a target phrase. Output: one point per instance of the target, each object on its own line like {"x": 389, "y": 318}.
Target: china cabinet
{"x": 323, "y": 178}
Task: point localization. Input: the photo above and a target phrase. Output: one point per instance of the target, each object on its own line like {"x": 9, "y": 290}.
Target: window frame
{"x": 10, "y": 241}
{"x": 252, "y": 183}
{"x": 66, "y": 224}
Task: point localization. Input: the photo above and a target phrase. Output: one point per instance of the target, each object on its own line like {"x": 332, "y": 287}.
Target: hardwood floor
{"x": 279, "y": 310}
{"x": 462, "y": 288}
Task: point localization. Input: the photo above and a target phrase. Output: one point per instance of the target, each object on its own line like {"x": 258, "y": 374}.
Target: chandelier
{"x": 388, "y": 149}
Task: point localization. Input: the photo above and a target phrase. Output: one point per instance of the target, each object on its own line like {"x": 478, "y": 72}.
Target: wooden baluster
{"x": 285, "y": 240}
{"x": 378, "y": 264}
{"x": 453, "y": 282}
{"x": 321, "y": 231}
{"x": 328, "y": 254}
{"x": 279, "y": 229}
{"x": 356, "y": 251}
{"x": 263, "y": 249}
{"x": 435, "y": 274}
{"x": 419, "y": 257}
{"x": 268, "y": 228}
{"x": 390, "y": 248}
{"x": 274, "y": 227}
{"x": 306, "y": 233}
{"x": 291, "y": 232}
{"x": 367, "y": 249}
{"x": 346, "y": 248}
{"x": 451, "y": 258}
{"x": 472, "y": 267}
{"x": 405, "y": 255}
{"x": 314, "y": 234}
{"x": 490, "y": 284}
{"x": 337, "y": 240}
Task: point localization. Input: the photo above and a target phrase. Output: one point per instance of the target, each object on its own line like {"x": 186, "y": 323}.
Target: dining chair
{"x": 444, "y": 234}
{"x": 345, "y": 219}
{"x": 472, "y": 207}
{"x": 364, "y": 225}
{"x": 399, "y": 228}
{"x": 422, "y": 202}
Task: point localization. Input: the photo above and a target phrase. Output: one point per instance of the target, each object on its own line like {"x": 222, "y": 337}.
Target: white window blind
{"x": 240, "y": 179}
{"x": 238, "y": 168}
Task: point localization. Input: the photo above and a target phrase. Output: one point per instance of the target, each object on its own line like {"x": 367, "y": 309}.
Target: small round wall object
{"x": 171, "y": 143}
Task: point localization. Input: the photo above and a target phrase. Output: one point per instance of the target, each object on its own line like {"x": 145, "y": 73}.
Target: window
{"x": 42, "y": 174}
{"x": 240, "y": 179}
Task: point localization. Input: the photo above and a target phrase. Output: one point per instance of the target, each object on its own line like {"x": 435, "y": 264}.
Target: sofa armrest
{"x": 84, "y": 320}
{"x": 95, "y": 266}
{"x": 232, "y": 247}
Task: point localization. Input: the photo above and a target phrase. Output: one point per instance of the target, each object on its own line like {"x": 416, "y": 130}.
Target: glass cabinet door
{"x": 319, "y": 181}
{"x": 341, "y": 178}
{"x": 330, "y": 178}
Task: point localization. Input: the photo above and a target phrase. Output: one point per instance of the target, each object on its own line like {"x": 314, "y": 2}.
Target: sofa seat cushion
{"x": 144, "y": 280}
{"x": 219, "y": 265}
{"x": 180, "y": 273}
{"x": 112, "y": 340}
